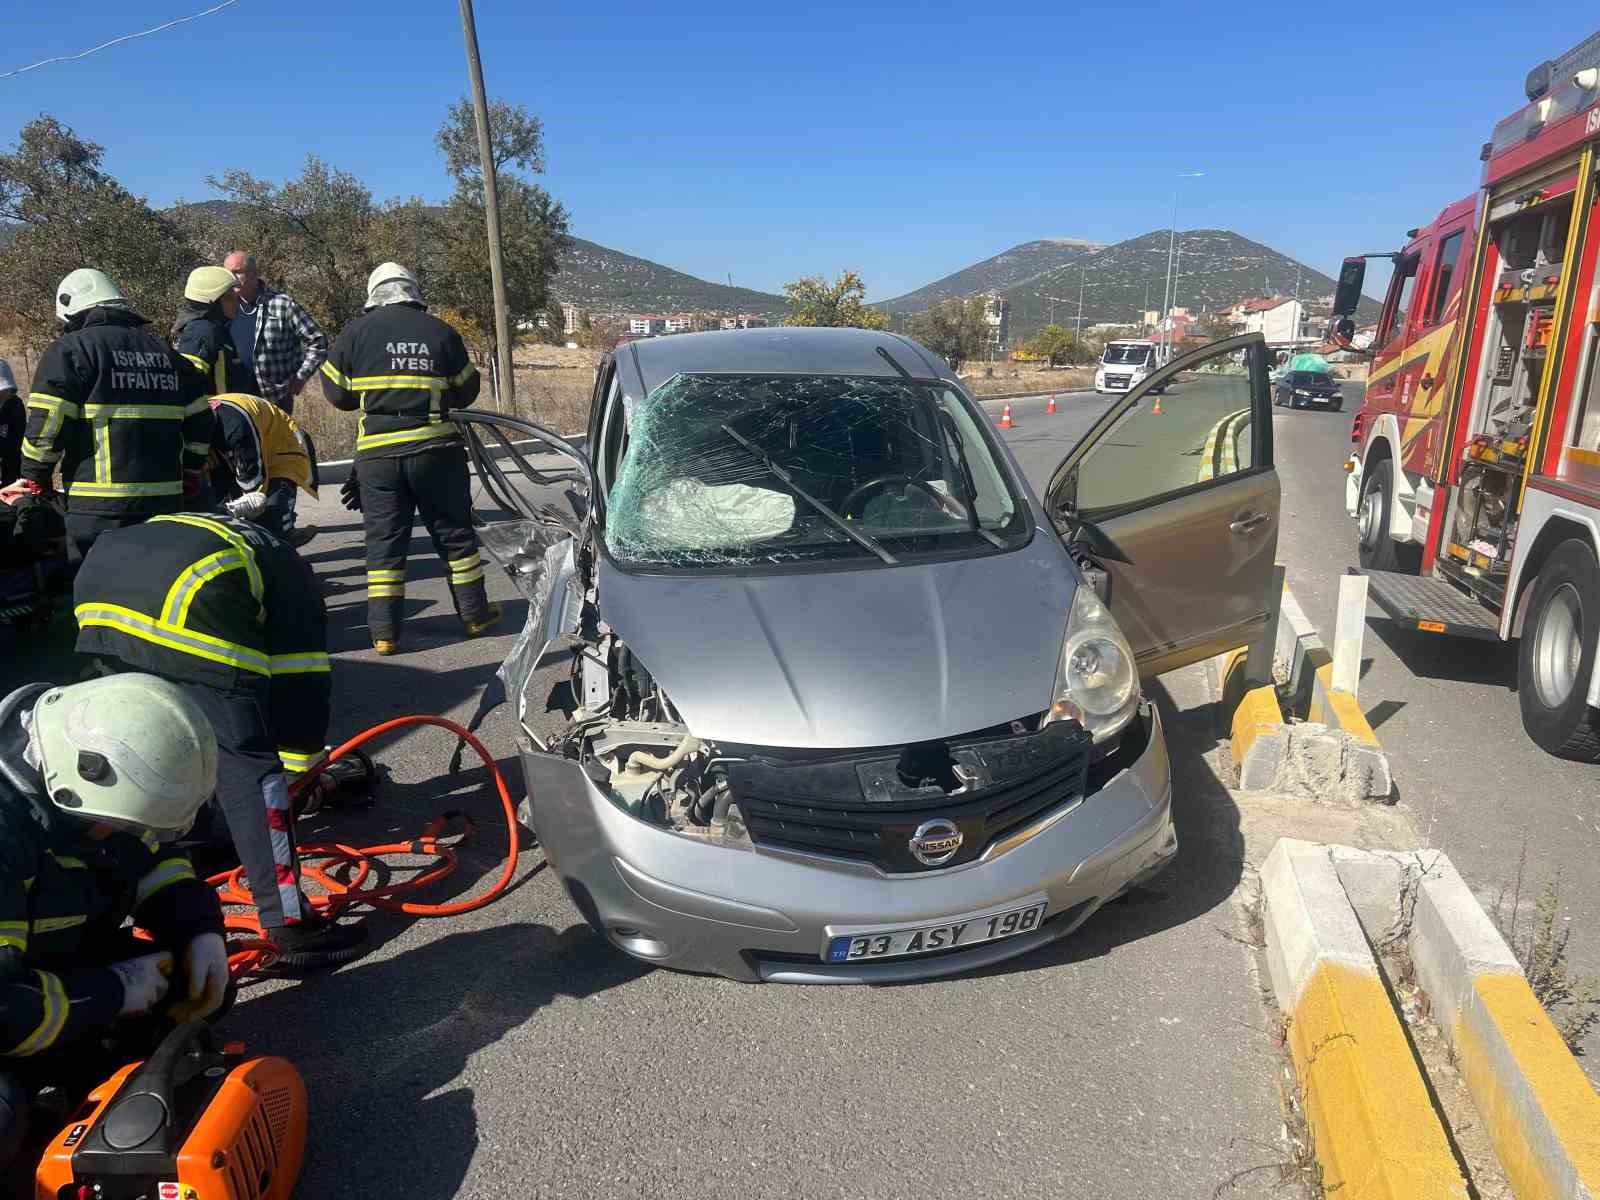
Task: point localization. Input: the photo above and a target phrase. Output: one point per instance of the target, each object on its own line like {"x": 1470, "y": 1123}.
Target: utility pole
{"x": 507, "y": 391}
{"x": 1077, "y": 334}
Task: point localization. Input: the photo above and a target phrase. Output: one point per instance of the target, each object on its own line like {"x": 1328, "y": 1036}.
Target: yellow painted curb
{"x": 1375, "y": 1131}
{"x": 1339, "y": 710}
{"x": 1256, "y": 713}
{"x": 1559, "y": 1091}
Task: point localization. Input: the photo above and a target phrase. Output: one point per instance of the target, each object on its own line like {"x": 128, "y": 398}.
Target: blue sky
{"x": 766, "y": 141}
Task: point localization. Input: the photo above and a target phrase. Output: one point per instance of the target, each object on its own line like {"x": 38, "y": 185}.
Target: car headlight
{"x": 1097, "y": 683}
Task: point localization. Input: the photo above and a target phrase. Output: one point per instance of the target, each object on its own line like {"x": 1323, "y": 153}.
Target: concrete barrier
{"x": 1373, "y": 1125}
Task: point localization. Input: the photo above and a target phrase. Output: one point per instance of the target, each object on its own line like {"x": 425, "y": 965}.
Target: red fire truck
{"x": 1475, "y": 476}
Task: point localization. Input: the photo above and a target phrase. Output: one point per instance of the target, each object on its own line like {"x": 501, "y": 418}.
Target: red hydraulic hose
{"x": 319, "y": 860}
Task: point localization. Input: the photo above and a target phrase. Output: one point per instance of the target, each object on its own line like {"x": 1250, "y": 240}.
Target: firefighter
{"x": 233, "y": 615}
{"x": 210, "y": 298}
{"x": 96, "y": 781}
{"x": 122, "y": 414}
{"x": 259, "y": 458}
{"x": 405, "y": 369}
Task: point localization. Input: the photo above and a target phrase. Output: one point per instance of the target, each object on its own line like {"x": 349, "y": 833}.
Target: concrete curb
{"x": 1331, "y": 745}
{"x": 1539, "y": 1109}
{"x": 1372, "y": 1122}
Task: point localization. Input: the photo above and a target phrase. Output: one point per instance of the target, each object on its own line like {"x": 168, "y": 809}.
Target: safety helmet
{"x": 389, "y": 272}
{"x": 8, "y": 381}
{"x": 84, "y": 289}
{"x": 131, "y": 749}
{"x": 209, "y": 284}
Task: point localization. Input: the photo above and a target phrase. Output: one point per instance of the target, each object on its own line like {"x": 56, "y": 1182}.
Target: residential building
{"x": 571, "y": 318}
{"x": 744, "y": 321}
{"x": 678, "y": 323}
{"x": 646, "y": 325}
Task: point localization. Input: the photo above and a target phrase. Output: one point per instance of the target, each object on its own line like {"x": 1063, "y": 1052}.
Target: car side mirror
{"x": 1347, "y": 295}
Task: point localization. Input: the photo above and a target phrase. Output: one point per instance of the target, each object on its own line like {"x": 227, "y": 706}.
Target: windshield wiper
{"x": 855, "y": 535}
{"x": 969, "y": 486}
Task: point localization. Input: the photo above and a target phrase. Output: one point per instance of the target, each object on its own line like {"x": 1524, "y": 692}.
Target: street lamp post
{"x": 1172, "y": 248}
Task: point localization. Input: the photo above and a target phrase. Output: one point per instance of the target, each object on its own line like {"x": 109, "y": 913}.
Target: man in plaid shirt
{"x": 279, "y": 343}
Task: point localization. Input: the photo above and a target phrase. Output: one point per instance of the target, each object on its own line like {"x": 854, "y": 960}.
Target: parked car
{"x": 841, "y": 699}
{"x": 1307, "y": 389}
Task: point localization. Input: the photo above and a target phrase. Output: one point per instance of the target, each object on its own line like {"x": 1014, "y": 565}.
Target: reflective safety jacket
{"x": 62, "y": 892}
{"x": 121, "y": 413}
{"x": 219, "y": 601}
{"x": 261, "y": 442}
{"x": 405, "y": 369}
{"x": 203, "y": 338}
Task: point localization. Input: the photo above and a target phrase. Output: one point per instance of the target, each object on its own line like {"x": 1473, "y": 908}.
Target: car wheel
{"x": 1377, "y": 550}
{"x": 1338, "y": 406}
{"x": 1556, "y": 657}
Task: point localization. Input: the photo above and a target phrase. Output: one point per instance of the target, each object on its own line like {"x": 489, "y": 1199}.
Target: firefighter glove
{"x": 144, "y": 982}
{"x": 350, "y": 492}
{"x": 205, "y": 965}
{"x": 248, "y": 505}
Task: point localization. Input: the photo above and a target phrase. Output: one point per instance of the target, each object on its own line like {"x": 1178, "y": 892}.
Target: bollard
{"x": 1348, "y": 629}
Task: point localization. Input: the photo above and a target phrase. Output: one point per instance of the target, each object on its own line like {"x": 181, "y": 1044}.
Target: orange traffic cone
{"x": 1051, "y": 407}
{"x": 1005, "y": 418}
{"x": 1156, "y": 411}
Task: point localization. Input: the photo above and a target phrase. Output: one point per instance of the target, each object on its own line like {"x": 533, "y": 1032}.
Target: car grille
{"x": 836, "y": 805}
{"x": 1116, "y": 381}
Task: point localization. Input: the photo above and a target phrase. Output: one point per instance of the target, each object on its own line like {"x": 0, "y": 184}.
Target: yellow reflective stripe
{"x": 51, "y": 924}
{"x": 296, "y": 761}
{"x": 373, "y": 440}
{"x": 251, "y": 568}
{"x": 67, "y": 861}
{"x": 385, "y": 573}
{"x": 195, "y": 407}
{"x": 333, "y": 373}
{"x": 119, "y": 490}
{"x": 219, "y": 374}
{"x": 466, "y": 570}
{"x": 149, "y": 841}
{"x": 200, "y": 364}
{"x": 53, "y": 999}
{"x": 175, "y": 609}
{"x": 379, "y": 383}
{"x": 299, "y": 664}
{"x": 461, "y": 376}
{"x": 39, "y": 453}
{"x": 136, "y": 412}
{"x": 14, "y": 934}
{"x": 46, "y": 400}
{"x": 102, "y": 457}
{"x": 199, "y": 448}
{"x": 160, "y": 633}
{"x": 165, "y": 873}
{"x": 385, "y": 591}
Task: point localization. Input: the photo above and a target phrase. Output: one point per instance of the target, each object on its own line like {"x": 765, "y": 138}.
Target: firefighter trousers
{"x": 432, "y": 484}
{"x": 83, "y": 528}
{"x": 253, "y": 801}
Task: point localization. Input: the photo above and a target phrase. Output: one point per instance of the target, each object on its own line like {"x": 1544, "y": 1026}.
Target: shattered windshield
{"x": 749, "y": 470}
{"x": 1122, "y": 354}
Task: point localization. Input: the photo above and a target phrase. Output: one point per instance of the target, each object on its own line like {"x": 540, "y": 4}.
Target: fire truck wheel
{"x": 1377, "y": 550}
{"x": 1556, "y": 657}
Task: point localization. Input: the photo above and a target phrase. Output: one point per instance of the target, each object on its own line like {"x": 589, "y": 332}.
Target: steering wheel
{"x": 883, "y": 481}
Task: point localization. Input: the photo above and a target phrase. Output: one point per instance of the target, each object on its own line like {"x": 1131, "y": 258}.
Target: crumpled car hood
{"x": 846, "y": 659}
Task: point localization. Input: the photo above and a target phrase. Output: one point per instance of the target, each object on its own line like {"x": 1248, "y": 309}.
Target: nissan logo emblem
{"x": 935, "y": 842}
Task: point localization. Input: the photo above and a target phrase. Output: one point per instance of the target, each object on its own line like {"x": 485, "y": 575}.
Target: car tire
{"x": 1556, "y": 657}
{"x": 1375, "y": 548}
{"x": 1339, "y": 407}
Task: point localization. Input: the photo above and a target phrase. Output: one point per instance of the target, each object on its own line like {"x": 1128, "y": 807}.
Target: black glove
{"x": 39, "y": 521}
{"x": 350, "y": 491}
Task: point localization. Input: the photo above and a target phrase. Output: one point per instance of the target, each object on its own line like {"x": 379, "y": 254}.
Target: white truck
{"x": 1124, "y": 364}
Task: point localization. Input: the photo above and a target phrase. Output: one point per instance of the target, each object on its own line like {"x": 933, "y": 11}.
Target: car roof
{"x": 649, "y": 362}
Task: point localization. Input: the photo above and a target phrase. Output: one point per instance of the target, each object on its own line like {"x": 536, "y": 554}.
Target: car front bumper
{"x": 766, "y": 915}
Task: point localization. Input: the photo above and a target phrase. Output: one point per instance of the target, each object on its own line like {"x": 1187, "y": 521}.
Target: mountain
{"x": 1009, "y": 267}
{"x": 1215, "y": 268}
{"x": 599, "y": 278}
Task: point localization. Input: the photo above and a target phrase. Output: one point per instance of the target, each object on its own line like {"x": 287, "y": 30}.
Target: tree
{"x": 954, "y": 329}
{"x": 312, "y": 236}
{"x": 70, "y": 213}
{"x": 815, "y": 301}
{"x": 1216, "y": 326}
{"x": 1056, "y": 345}
{"x": 533, "y": 224}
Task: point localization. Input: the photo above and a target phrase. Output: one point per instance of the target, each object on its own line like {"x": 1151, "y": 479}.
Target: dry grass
{"x": 986, "y": 379}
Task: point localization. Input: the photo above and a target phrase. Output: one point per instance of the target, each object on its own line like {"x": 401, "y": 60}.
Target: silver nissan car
{"x": 840, "y": 700}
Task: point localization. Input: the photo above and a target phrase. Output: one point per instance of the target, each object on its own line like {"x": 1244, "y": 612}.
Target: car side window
{"x": 1199, "y": 429}
{"x": 1395, "y": 319}
{"x": 1443, "y": 276}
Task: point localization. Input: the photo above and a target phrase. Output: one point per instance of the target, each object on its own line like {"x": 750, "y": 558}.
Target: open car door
{"x": 1173, "y": 494}
{"x": 533, "y": 512}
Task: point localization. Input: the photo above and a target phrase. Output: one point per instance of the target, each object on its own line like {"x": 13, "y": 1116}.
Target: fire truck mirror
{"x": 1347, "y": 296}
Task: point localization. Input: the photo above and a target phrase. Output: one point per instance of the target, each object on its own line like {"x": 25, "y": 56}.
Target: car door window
{"x": 1400, "y": 289}
{"x": 1443, "y": 275}
{"x": 1200, "y": 428}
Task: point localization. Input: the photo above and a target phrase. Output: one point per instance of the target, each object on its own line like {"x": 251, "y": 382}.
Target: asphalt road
{"x": 511, "y": 1052}
{"x": 1446, "y": 711}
